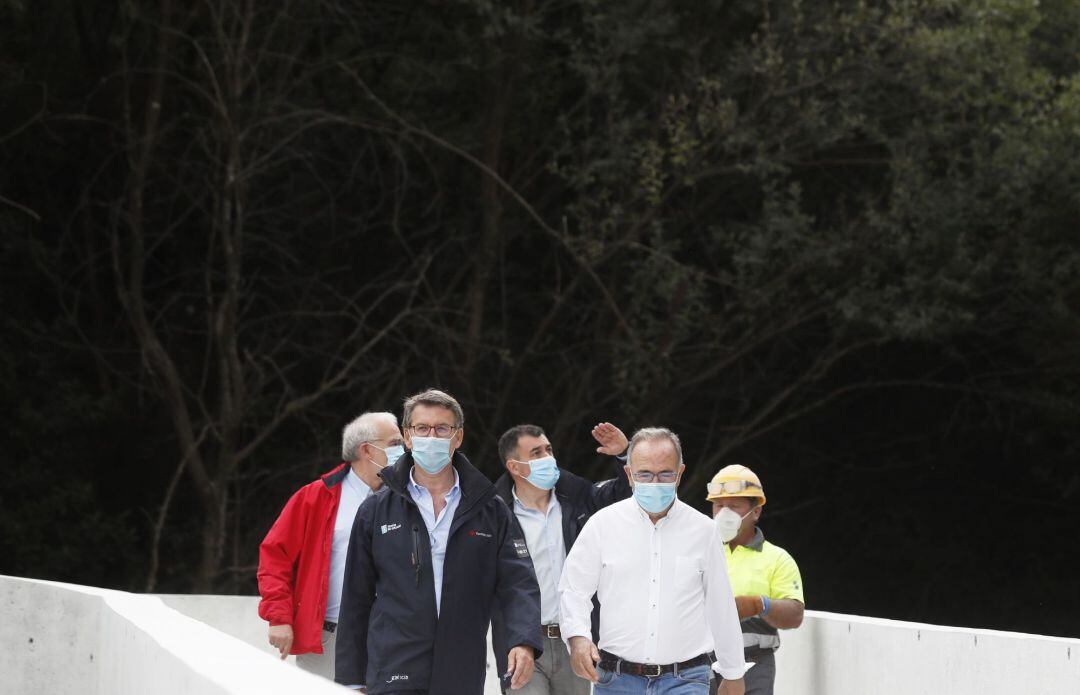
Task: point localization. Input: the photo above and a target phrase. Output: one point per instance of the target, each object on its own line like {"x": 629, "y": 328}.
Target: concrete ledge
{"x": 238, "y": 616}
{"x": 838, "y": 654}
{"x": 49, "y": 637}
{"x": 63, "y": 637}
{"x": 95, "y": 641}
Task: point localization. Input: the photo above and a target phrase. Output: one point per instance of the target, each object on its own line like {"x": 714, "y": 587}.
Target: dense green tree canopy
{"x": 837, "y": 242}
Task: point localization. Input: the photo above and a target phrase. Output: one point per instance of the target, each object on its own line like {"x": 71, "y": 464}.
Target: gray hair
{"x": 361, "y": 430}
{"x": 433, "y": 397}
{"x": 652, "y": 434}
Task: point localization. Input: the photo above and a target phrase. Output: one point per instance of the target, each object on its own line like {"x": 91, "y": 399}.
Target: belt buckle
{"x": 552, "y": 631}
{"x": 646, "y": 668}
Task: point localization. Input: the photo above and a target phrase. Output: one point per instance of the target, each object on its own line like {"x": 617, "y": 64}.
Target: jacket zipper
{"x": 416, "y": 551}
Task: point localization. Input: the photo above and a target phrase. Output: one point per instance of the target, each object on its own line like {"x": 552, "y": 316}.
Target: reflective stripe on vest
{"x": 754, "y": 640}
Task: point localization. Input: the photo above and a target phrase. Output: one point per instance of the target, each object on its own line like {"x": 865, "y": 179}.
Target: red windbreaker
{"x": 294, "y": 561}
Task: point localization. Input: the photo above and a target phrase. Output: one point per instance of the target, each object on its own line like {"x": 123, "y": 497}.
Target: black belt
{"x": 551, "y": 631}
{"x": 329, "y": 626}
{"x": 610, "y": 662}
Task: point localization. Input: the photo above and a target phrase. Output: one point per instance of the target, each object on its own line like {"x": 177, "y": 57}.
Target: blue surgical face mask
{"x": 393, "y": 453}
{"x": 654, "y": 497}
{"x": 431, "y": 453}
{"x": 544, "y": 472}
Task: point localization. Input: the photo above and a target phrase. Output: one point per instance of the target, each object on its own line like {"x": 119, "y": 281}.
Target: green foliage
{"x": 55, "y": 518}
{"x": 826, "y": 239}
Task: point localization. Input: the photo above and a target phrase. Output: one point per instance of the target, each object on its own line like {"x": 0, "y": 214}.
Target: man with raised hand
{"x": 302, "y": 558}
{"x": 429, "y": 557}
{"x": 552, "y": 505}
{"x": 657, "y": 566}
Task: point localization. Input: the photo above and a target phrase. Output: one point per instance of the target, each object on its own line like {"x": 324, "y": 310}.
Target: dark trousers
{"x": 758, "y": 680}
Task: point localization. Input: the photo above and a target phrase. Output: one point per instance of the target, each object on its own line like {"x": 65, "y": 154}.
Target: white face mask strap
{"x": 515, "y": 473}
{"x": 748, "y": 513}
{"x": 378, "y": 465}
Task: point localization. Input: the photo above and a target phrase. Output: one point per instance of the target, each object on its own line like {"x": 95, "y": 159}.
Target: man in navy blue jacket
{"x": 429, "y": 556}
{"x": 552, "y": 505}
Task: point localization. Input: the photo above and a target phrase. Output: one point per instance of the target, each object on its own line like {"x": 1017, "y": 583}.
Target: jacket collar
{"x": 504, "y": 489}
{"x": 474, "y": 484}
{"x": 335, "y": 476}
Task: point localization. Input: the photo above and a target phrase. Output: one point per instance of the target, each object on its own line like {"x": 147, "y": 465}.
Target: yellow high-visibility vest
{"x": 763, "y": 569}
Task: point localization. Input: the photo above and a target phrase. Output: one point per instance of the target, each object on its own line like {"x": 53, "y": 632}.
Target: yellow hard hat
{"x": 735, "y": 481}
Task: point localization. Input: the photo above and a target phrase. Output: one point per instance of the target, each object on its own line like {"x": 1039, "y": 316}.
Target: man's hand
{"x": 612, "y": 440}
{"x": 281, "y": 637}
{"x": 731, "y": 687}
{"x": 749, "y": 606}
{"x": 584, "y": 656}
{"x": 519, "y": 664}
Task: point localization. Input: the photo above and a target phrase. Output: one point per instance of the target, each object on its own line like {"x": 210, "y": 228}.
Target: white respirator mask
{"x": 728, "y": 522}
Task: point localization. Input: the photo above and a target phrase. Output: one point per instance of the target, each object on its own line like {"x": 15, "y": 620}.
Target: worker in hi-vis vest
{"x": 764, "y": 577}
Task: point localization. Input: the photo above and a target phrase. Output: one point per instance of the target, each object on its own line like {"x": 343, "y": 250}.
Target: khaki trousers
{"x": 320, "y": 664}
{"x": 553, "y": 674}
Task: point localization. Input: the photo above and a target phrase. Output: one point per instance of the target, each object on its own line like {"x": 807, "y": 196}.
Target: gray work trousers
{"x": 553, "y": 674}
{"x": 758, "y": 680}
{"x": 320, "y": 664}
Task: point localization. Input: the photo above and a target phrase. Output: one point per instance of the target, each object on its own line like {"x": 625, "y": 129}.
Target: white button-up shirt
{"x": 353, "y": 493}
{"x": 543, "y": 535}
{"x": 438, "y": 527}
{"x": 663, "y": 589}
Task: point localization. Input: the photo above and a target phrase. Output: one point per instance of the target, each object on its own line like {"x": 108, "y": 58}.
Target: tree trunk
{"x": 212, "y": 538}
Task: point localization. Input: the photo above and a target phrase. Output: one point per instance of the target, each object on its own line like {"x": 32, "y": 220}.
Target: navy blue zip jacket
{"x": 389, "y": 636}
{"x": 579, "y": 499}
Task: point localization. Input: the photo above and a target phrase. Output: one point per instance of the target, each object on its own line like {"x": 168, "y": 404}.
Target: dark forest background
{"x": 835, "y": 241}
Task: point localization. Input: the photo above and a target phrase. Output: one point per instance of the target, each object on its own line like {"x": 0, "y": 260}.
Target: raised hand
{"x": 612, "y": 440}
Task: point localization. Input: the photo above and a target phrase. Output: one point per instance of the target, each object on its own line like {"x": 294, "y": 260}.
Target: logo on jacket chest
{"x": 387, "y": 528}
{"x": 482, "y": 534}
{"x": 398, "y": 677}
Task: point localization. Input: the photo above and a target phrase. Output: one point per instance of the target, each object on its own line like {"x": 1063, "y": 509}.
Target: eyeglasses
{"x": 440, "y": 431}
{"x": 731, "y": 487}
{"x": 662, "y": 477}
{"x": 396, "y": 441}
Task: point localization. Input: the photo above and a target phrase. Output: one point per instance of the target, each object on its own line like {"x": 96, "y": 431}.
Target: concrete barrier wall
{"x": 238, "y": 616}
{"x": 50, "y": 637}
{"x": 66, "y": 638}
{"x": 834, "y": 654}
{"x": 62, "y": 637}
{"x": 831, "y": 654}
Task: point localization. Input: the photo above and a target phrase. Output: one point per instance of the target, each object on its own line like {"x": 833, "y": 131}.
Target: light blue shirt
{"x": 353, "y": 492}
{"x": 438, "y": 528}
{"x": 543, "y": 535}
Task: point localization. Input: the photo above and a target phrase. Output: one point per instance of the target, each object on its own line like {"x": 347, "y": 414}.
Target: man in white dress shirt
{"x": 657, "y": 566}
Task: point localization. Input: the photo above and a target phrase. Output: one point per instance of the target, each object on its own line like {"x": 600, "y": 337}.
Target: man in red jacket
{"x": 302, "y": 558}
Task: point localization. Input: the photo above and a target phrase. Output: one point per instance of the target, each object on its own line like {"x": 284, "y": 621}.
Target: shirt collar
{"x": 673, "y": 513}
{"x": 417, "y": 487}
{"x": 758, "y": 541}
{"x": 356, "y": 481}
{"x": 552, "y": 501}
